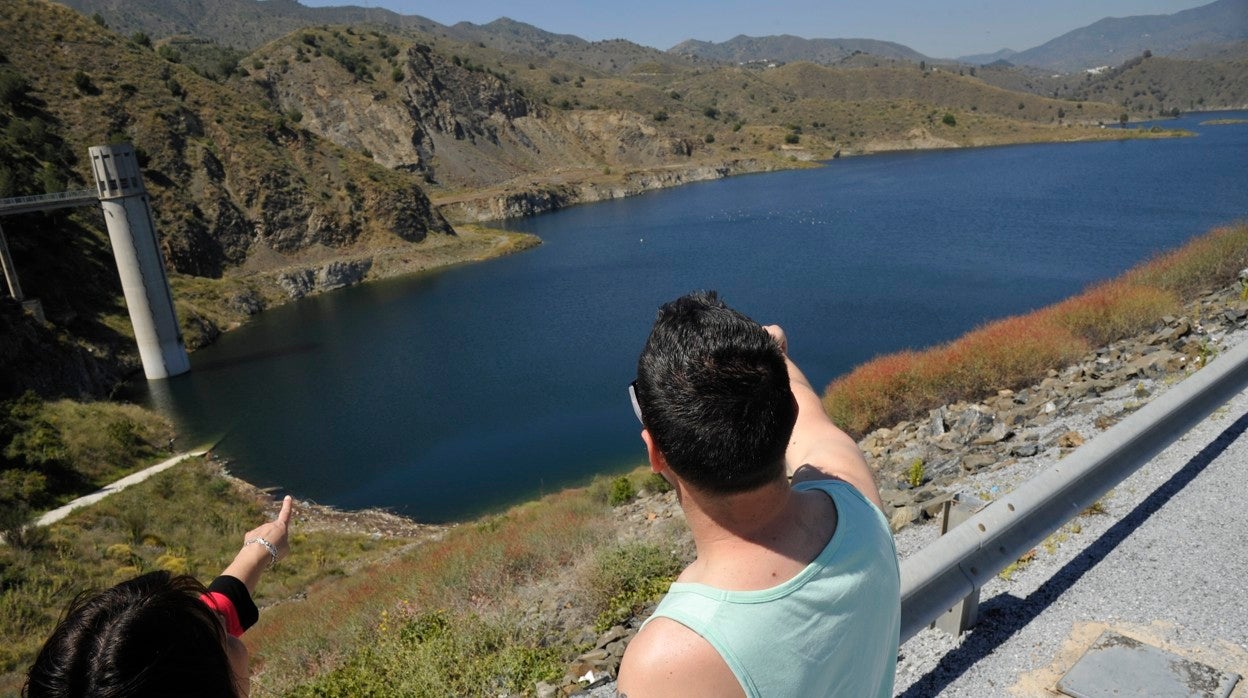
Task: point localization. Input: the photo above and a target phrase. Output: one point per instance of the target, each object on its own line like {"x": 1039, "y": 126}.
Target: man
{"x": 795, "y": 589}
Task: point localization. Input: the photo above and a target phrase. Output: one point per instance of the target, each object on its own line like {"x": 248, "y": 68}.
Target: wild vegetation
{"x": 187, "y": 520}
{"x": 51, "y": 452}
{"x": 349, "y": 613}
{"x": 1016, "y": 351}
{"x": 455, "y": 616}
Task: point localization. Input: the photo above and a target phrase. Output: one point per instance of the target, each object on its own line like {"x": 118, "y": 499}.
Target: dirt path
{"x": 133, "y": 479}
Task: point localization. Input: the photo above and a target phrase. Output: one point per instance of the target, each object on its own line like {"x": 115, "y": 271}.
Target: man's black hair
{"x": 714, "y": 394}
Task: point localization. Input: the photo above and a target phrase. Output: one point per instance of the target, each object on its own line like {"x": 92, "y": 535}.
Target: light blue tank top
{"x": 831, "y": 630}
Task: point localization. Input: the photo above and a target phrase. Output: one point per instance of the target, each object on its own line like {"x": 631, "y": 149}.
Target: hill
{"x": 241, "y": 24}
{"x": 521, "y": 39}
{"x": 249, "y": 24}
{"x": 497, "y": 133}
{"x": 1112, "y": 41}
{"x": 1157, "y": 86}
{"x": 787, "y": 48}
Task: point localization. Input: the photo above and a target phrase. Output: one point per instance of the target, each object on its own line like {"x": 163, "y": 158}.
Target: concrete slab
{"x": 1116, "y": 666}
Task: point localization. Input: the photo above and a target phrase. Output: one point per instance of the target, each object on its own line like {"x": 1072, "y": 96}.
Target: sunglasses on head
{"x": 632, "y": 395}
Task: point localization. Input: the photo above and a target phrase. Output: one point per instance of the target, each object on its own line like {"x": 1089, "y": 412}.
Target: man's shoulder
{"x": 667, "y": 658}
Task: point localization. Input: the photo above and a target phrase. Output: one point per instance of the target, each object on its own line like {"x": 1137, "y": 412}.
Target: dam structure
{"x": 132, "y": 235}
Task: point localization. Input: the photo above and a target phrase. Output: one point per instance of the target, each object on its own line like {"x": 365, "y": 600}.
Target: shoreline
{"x": 478, "y": 209}
{"x": 473, "y": 213}
{"x": 544, "y": 195}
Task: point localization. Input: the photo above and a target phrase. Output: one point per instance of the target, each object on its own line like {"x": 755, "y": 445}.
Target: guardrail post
{"x": 965, "y": 613}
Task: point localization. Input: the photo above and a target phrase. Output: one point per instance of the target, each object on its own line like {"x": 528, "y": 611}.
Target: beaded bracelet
{"x": 267, "y": 546}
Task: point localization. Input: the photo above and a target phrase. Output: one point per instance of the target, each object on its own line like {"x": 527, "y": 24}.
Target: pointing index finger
{"x": 283, "y": 517}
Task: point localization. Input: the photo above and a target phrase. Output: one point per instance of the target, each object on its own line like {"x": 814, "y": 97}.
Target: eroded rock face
{"x": 462, "y": 126}
{"x": 540, "y": 199}
{"x": 333, "y": 275}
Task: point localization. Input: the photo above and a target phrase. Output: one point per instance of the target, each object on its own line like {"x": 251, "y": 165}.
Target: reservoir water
{"x": 448, "y": 394}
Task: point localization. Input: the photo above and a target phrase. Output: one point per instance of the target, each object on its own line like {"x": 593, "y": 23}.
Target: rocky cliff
{"x": 232, "y": 180}
{"x": 458, "y": 123}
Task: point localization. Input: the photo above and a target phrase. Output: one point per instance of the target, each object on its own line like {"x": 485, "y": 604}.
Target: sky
{"x": 944, "y": 29}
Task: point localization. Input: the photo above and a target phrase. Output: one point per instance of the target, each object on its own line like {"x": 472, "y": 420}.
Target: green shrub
{"x": 18, "y": 528}
{"x": 169, "y": 53}
{"x": 19, "y": 485}
{"x": 949, "y": 119}
{"x": 622, "y": 491}
{"x": 122, "y": 552}
{"x": 914, "y": 476}
{"x": 626, "y": 578}
{"x": 657, "y": 483}
{"x": 792, "y": 138}
{"x": 439, "y": 653}
{"x": 82, "y": 81}
{"x": 13, "y": 88}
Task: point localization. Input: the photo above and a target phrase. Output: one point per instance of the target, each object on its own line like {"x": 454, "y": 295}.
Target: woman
{"x": 159, "y": 634}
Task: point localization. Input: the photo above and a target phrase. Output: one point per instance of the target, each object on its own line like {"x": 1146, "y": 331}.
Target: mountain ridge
{"x": 788, "y": 48}
{"x": 1114, "y": 40}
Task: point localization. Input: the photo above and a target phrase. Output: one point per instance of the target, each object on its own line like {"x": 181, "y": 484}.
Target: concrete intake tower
{"x": 133, "y": 237}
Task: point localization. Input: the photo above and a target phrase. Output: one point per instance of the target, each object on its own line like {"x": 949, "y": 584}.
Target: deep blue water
{"x": 447, "y": 394}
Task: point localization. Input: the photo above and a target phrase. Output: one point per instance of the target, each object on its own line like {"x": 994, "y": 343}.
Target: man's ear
{"x": 658, "y": 462}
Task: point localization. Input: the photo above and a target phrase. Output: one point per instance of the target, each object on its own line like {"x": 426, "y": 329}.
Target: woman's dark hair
{"x": 149, "y": 636}
{"x": 714, "y": 394}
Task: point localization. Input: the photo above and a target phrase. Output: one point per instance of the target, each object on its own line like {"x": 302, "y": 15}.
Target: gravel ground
{"x": 1164, "y": 563}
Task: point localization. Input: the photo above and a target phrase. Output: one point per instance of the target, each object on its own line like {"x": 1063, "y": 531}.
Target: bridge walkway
{"x": 48, "y": 202}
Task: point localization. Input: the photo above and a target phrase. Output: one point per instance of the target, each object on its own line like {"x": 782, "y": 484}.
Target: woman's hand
{"x": 255, "y": 556}
{"x": 274, "y": 531}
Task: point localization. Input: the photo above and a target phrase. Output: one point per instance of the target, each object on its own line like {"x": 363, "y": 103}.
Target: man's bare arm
{"x": 818, "y": 449}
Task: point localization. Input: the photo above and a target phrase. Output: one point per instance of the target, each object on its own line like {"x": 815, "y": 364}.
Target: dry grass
{"x": 1017, "y": 351}
{"x": 1113, "y": 310}
{"x": 1206, "y": 262}
{"x": 188, "y": 520}
{"x": 345, "y": 631}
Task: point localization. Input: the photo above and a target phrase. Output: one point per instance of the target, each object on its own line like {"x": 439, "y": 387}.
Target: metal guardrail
{"x": 957, "y": 564}
{"x": 47, "y": 202}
